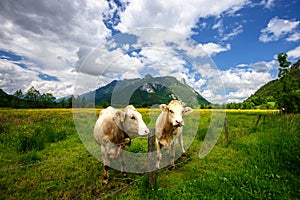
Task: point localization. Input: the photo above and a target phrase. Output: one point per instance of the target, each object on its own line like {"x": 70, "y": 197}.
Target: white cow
{"x": 114, "y": 130}
{"x": 168, "y": 128}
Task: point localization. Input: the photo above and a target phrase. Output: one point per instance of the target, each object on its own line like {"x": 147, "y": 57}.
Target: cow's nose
{"x": 179, "y": 123}
{"x": 147, "y": 131}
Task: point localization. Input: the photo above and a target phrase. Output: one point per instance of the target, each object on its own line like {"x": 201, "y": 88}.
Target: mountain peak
{"x": 148, "y": 88}
{"x": 146, "y": 92}
{"x": 148, "y": 76}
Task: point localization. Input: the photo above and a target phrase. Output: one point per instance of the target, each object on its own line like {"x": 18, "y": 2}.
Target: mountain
{"x": 144, "y": 92}
{"x": 285, "y": 92}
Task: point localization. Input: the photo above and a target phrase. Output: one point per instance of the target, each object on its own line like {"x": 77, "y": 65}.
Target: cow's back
{"x": 106, "y": 127}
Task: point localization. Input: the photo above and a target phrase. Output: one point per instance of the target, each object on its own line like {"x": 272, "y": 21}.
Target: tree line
{"x": 32, "y": 98}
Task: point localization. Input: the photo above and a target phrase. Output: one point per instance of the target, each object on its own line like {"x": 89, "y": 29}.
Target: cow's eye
{"x": 171, "y": 111}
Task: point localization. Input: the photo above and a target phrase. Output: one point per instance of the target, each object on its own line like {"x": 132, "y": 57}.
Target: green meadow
{"x": 43, "y": 157}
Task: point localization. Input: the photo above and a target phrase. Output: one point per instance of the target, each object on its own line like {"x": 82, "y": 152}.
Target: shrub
{"x": 31, "y": 156}
{"x": 30, "y": 141}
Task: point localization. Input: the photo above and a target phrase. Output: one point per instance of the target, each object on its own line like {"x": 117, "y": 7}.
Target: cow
{"x": 169, "y": 127}
{"x": 114, "y": 130}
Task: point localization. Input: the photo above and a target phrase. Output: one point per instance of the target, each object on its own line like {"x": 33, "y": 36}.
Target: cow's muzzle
{"x": 178, "y": 124}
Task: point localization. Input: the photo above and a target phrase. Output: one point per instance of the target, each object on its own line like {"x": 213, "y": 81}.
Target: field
{"x": 43, "y": 157}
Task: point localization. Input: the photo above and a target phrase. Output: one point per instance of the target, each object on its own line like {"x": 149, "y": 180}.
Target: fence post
{"x": 226, "y": 129}
{"x": 256, "y": 124}
{"x": 151, "y": 159}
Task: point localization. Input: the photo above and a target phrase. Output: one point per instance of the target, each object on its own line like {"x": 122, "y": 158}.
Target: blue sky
{"x": 73, "y": 47}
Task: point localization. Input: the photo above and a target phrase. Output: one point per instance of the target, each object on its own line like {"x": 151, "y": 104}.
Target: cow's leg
{"x": 158, "y": 153}
{"x": 122, "y": 155}
{"x": 172, "y": 153}
{"x": 106, "y": 163}
{"x": 181, "y": 144}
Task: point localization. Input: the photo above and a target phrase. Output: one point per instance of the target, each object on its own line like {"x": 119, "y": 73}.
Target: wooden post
{"x": 151, "y": 158}
{"x": 226, "y": 129}
{"x": 256, "y": 124}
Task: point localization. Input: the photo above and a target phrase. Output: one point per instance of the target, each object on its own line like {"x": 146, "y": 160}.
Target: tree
{"x": 283, "y": 64}
{"x": 18, "y": 94}
{"x": 62, "y": 103}
{"x": 32, "y": 96}
{"x": 282, "y": 74}
{"x": 17, "y": 102}
{"x": 47, "y": 100}
{"x": 70, "y": 102}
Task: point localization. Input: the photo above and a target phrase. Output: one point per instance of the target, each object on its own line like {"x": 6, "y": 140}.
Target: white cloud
{"x": 268, "y": 3}
{"x": 263, "y": 66}
{"x": 48, "y": 31}
{"x": 237, "y": 30}
{"x": 244, "y": 79}
{"x": 58, "y": 89}
{"x": 179, "y": 16}
{"x": 294, "y": 53}
{"x": 239, "y": 95}
{"x": 218, "y": 26}
{"x": 213, "y": 48}
{"x": 131, "y": 75}
{"x": 228, "y": 31}
{"x": 14, "y": 77}
{"x": 54, "y": 35}
{"x": 294, "y": 37}
{"x": 163, "y": 61}
{"x": 278, "y": 28}
{"x": 237, "y": 84}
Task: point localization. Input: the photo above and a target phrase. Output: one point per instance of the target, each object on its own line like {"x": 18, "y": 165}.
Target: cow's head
{"x": 132, "y": 122}
{"x": 175, "y": 111}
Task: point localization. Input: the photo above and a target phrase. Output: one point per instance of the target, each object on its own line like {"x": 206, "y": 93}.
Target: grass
{"x": 256, "y": 163}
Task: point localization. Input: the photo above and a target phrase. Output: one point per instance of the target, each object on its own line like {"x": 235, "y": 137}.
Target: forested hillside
{"x": 282, "y": 93}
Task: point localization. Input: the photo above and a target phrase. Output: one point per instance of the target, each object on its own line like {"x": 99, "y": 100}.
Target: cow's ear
{"x": 188, "y": 110}
{"x": 163, "y": 107}
{"x": 120, "y": 116}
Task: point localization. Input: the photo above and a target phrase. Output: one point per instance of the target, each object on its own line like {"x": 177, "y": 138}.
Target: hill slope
{"x": 285, "y": 92}
{"x": 5, "y": 99}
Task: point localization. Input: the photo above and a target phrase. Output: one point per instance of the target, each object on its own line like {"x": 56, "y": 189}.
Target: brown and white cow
{"x": 114, "y": 130}
{"x": 168, "y": 128}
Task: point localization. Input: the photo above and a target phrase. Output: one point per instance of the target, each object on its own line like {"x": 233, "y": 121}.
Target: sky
{"x": 224, "y": 49}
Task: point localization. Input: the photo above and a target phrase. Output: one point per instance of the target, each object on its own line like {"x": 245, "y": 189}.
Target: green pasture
{"x": 43, "y": 157}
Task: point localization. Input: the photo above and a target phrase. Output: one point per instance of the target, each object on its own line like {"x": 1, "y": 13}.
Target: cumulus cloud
{"x": 50, "y": 32}
{"x": 54, "y": 35}
{"x": 239, "y": 95}
{"x": 238, "y": 83}
{"x": 294, "y": 53}
{"x": 279, "y": 28}
{"x": 213, "y": 48}
{"x": 13, "y": 77}
{"x": 179, "y": 16}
